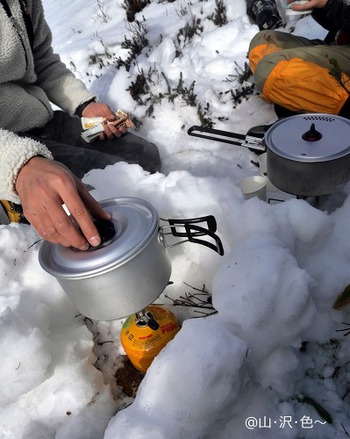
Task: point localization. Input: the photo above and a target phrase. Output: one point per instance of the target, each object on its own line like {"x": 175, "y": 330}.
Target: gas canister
{"x": 145, "y": 333}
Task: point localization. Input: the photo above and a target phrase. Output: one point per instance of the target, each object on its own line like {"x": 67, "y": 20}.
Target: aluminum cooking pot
{"x": 131, "y": 267}
{"x": 309, "y": 154}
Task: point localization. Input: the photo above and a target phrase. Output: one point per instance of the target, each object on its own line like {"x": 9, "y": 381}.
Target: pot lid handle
{"x": 106, "y": 230}
{"x": 312, "y": 135}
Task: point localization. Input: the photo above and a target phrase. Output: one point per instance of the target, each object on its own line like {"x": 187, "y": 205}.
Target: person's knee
{"x": 151, "y": 159}
{"x": 261, "y": 49}
{"x": 262, "y": 37}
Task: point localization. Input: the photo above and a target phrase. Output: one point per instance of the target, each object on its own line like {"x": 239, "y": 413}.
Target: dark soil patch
{"x": 128, "y": 378}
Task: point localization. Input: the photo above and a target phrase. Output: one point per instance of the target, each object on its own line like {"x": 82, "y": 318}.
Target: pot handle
{"x": 192, "y": 232}
{"x": 210, "y": 220}
{"x": 200, "y": 231}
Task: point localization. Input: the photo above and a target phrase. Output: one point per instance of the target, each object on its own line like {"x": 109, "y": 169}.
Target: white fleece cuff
{"x": 15, "y": 152}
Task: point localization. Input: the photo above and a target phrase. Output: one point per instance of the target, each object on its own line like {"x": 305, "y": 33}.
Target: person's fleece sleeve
{"x": 15, "y": 152}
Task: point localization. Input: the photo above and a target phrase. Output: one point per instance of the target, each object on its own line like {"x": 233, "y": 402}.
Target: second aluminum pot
{"x": 309, "y": 154}
{"x": 131, "y": 268}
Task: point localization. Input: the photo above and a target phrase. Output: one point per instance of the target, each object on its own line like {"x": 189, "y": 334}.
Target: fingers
{"x": 307, "y": 5}
{"x": 86, "y": 225}
{"x": 113, "y": 127}
{"x": 111, "y": 131}
{"x": 44, "y": 186}
{"x": 90, "y": 203}
{"x": 82, "y": 207}
{"x": 115, "y": 131}
{"x": 55, "y": 226}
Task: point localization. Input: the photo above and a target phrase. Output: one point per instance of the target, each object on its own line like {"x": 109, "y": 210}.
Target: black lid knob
{"x": 105, "y": 229}
{"x": 312, "y": 135}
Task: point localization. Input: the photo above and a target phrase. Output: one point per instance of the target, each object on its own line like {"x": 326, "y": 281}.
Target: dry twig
{"x": 200, "y": 300}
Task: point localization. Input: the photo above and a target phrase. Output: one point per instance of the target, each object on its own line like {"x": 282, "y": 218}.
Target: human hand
{"x": 311, "y": 4}
{"x": 43, "y": 186}
{"x": 97, "y": 109}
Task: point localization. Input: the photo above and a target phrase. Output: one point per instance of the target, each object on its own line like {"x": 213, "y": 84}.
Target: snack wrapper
{"x": 93, "y": 126}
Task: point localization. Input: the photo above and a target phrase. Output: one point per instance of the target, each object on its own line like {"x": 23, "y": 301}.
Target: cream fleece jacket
{"x": 30, "y": 80}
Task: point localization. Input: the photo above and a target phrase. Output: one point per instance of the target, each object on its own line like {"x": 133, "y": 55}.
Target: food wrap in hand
{"x": 93, "y": 126}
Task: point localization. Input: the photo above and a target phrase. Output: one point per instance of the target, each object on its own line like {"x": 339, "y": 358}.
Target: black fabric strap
{"x": 81, "y": 107}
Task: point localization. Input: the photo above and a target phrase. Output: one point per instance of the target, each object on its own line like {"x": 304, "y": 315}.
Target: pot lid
{"x": 134, "y": 220}
{"x": 310, "y": 137}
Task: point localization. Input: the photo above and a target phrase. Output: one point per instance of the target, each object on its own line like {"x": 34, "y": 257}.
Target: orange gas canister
{"x": 145, "y": 333}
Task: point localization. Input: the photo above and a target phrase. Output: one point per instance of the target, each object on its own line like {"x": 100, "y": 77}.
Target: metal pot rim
{"x": 136, "y": 222}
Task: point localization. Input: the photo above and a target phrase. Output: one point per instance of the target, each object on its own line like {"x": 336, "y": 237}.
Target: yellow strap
{"x": 13, "y": 212}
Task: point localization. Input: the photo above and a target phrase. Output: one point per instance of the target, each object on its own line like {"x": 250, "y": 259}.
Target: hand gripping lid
{"x": 134, "y": 220}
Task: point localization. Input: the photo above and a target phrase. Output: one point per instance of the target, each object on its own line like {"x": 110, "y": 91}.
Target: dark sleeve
{"x": 334, "y": 16}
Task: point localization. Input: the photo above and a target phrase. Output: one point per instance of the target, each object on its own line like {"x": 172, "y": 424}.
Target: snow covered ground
{"x": 271, "y": 362}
